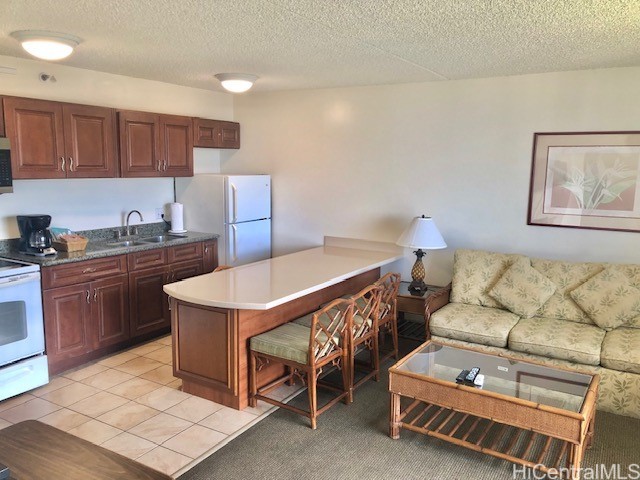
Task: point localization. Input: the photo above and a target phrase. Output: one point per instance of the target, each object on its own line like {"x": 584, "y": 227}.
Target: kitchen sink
{"x": 125, "y": 243}
{"x": 160, "y": 238}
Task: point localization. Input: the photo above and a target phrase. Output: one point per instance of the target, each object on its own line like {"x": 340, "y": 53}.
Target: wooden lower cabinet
{"x": 67, "y": 312}
{"x": 209, "y": 256}
{"x": 95, "y": 307}
{"x": 110, "y": 310}
{"x": 148, "y": 304}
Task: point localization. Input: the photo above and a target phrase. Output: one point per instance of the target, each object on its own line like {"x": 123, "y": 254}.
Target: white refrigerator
{"x": 237, "y": 207}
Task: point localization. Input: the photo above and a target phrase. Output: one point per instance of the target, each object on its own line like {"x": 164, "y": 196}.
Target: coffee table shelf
{"x": 533, "y": 449}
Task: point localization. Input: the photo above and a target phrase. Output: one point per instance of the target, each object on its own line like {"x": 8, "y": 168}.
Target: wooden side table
{"x": 411, "y": 303}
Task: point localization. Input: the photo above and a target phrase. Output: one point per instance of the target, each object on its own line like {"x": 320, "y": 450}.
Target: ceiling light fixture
{"x": 236, "y": 82}
{"x": 46, "y": 45}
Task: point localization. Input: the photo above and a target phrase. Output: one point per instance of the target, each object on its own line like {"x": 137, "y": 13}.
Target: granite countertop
{"x": 98, "y": 245}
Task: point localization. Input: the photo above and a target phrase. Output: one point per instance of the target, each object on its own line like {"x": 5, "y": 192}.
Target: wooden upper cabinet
{"x": 216, "y": 133}
{"x": 90, "y": 141}
{"x": 35, "y": 130}
{"x": 139, "y": 144}
{"x": 177, "y": 146}
{"x": 153, "y": 145}
{"x": 56, "y": 140}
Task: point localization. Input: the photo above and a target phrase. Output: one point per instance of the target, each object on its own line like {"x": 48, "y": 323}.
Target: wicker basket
{"x": 70, "y": 243}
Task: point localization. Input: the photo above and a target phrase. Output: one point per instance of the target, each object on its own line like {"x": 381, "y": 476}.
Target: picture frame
{"x": 586, "y": 180}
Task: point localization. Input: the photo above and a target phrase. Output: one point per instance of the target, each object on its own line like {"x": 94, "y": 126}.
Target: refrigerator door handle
{"x": 234, "y": 194}
{"x": 235, "y": 242}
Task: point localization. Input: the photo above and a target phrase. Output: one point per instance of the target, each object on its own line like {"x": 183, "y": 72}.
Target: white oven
{"x": 23, "y": 365}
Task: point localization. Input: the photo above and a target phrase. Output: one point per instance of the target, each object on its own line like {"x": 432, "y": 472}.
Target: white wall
{"x": 360, "y": 162}
{"x": 93, "y": 203}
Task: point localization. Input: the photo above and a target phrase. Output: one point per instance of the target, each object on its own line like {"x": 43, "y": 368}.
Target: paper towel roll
{"x": 177, "y": 217}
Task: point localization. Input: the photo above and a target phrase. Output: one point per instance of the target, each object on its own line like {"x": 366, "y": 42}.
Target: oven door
{"x": 21, "y": 320}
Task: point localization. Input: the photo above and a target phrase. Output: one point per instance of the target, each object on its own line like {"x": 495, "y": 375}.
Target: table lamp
{"x": 421, "y": 233}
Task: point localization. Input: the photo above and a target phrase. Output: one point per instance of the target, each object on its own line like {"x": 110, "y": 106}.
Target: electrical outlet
{"x": 159, "y": 213}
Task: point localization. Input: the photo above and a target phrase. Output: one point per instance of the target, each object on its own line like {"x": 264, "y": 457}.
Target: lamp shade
{"x": 47, "y": 45}
{"x": 236, "y": 82}
{"x": 422, "y": 233}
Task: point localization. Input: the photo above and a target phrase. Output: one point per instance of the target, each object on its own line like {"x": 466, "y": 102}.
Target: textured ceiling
{"x": 293, "y": 44}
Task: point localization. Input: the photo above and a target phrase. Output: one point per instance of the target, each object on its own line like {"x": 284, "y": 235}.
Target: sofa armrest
{"x": 435, "y": 302}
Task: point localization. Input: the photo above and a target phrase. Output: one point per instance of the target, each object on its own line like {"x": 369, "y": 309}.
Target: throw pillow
{"x": 608, "y": 298}
{"x": 522, "y": 289}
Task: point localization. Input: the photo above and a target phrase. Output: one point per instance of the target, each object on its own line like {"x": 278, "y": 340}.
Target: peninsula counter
{"x": 213, "y": 316}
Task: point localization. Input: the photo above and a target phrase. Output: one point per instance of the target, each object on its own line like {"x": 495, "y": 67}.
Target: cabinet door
{"x": 229, "y": 135}
{"x": 183, "y": 270}
{"x": 210, "y": 256}
{"x": 139, "y": 144}
{"x": 110, "y": 310}
{"x": 177, "y": 146}
{"x": 90, "y": 141}
{"x": 67, "y": 315}
{"x": 35, "y": 129}
{"x": 148, "y": 304}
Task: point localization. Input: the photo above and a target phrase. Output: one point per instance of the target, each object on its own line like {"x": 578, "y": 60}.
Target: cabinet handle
{"x": 63, "y": 160}
{"x": 89, "y": 270}
{"x": 159, "y": 165}
{"x": 88, "y": 296}
{"x": 206, "y": 250}
{"x": 71, "y": 164}
{"x": 95, "y": 295}
{"x": 164, "y": 166}
{"x": 169, "y": 302}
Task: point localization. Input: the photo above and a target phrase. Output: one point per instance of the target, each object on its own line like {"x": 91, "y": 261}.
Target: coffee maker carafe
{"x": 35, "y": 237}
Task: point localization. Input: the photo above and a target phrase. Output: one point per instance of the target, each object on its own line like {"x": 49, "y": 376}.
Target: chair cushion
{"x": 621, "y": 350}
{"x": 608, "y": 298}
{"x": 475, "y": 272}
{"x": 555, "y": 338}
{"x": 566, "y": 276}
{"x": 289, "y": 341}
{"x": 473, "y": 323}
{"x": 522, "y": 289}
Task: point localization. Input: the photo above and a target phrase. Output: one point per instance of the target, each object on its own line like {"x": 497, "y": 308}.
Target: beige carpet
{"x": 351, "y": 442}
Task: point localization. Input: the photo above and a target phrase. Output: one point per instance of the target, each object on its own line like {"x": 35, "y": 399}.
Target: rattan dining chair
{"x": 305, "y": 352}
{"x": 388, "y": 314}
{"x": 220, "y": 268}
{"x": 362, "y": 334}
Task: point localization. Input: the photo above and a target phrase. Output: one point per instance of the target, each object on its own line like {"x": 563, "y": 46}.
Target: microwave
{"x": 6, "y": 181}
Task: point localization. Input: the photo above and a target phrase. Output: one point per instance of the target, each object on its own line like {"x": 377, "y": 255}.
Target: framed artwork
{"x": 586, "y": 180}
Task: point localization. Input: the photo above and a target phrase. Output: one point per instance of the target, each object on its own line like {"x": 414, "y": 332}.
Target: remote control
{"x": 463, "y": 374}
{"x": 471, "y": 376}
{"x": 479, "y": 381}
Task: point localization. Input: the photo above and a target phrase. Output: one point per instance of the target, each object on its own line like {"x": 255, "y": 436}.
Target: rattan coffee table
{"x": 529, "y": 414}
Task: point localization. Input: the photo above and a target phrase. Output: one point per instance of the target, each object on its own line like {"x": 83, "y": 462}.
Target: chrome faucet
{"x": 128, "y": 229}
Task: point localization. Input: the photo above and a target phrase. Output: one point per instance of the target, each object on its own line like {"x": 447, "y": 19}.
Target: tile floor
{"x": 131, "y": 403}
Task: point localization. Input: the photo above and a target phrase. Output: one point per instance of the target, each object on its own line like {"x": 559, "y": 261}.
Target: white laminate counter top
{"x": 269, "y": 283}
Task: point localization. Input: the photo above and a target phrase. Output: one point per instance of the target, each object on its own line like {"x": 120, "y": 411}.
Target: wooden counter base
{"x": 211, "y": 345}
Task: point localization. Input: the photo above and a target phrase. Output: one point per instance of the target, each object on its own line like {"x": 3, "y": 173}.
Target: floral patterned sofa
{"x": 577, "y": 315}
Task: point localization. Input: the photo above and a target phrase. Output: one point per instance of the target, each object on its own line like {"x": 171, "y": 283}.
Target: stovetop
{"x": 14, "y": 267}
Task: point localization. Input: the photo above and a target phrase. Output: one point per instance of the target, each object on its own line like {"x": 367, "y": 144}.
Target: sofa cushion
{"x": 473, "y": 323}
{"x": 555, "y": 338}
{"x": 621, "y": 350}
{"x": 632, "y": 272}
{"x": 566, "y": 276}
{"x": 608, "y": 298}
{"x": 475, "y": 272}
{"x": 522, "y": 289}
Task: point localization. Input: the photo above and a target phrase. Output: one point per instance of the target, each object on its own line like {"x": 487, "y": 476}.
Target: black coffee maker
{"x": 35, "y": 237}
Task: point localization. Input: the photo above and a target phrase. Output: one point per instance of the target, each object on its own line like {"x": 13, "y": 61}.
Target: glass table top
{"x": 536, "y": 383}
